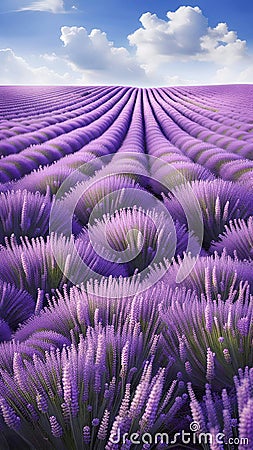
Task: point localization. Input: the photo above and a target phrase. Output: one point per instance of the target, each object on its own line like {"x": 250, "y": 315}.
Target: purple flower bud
{"x": 56, "y": 428}
{"x": 149, "y": 415}
{"x": 102, "y": 432}
{"x": 227, "y": 356}
{"x": 208, "y": 318}
{"x": 227, "y": 424}
{"x": 188, "y": 367}
{"x": 234, "y": 423}
{"x": 86, "y": 435}
{"x": 246, "y": 424}
{"x": 9, "y": 415}
{"x": 32, "y": 411}
{"x": 41, "y": 402}
{"x": 243, "y": 325}
{"x": 182, "y": 349}
{"x": 95, "y": 422}
{"x": 210, "y": 365}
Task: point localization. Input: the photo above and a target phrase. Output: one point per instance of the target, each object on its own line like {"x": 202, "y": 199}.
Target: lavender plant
{"x": 16, "y": 306}
{"x": 75, "y": 309}
{"x": 175, "y": 173}
{"x": 229, "y": 414}
{"x": 137, "y": 237}
{"x": 24, "y": 213}
{"x": 44, "y": 179}
{"x": 209, "y": 339}
{"x": 36, "y": 263}
{"x": 220, "y": 202}
{"x": 38, "y": 345}
{"x": 216, "y": 276}
{"x": 90, "y": 393}
{"x": 237, "y": 239}
{"x": 97, "y": 195}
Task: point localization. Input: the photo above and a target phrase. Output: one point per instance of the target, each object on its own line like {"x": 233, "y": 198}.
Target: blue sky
{"x": 143, "y": 43}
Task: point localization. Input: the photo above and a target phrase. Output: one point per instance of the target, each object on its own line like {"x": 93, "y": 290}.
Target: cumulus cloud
{"x": 54, "y": 69}
{"x": 97, "y": 55}
{"x": 53, "y": 6}
{"x": 182, "y": 49}
{"x": 16, "y": 70}
{"x": 177, "y": 37}
{"x": 228, "y": 74}
{"x": 222, "y": 46}
{"x": 185, "y": 36}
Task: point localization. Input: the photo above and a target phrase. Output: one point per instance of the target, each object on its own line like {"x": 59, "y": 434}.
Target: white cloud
{"x": 222, "y": 46}
{"x": 95, "y": 55}
{"x": 178, "y": 37}
{"x": 182, "y": 49}
{"x": 16, "y": 70}
{"x": 53, "y": 6}
{"x": 246, "y": 75}
{"x": 54, "y": 69}
{"x": 228, "y": 74}
{"x": 185, "y": 36}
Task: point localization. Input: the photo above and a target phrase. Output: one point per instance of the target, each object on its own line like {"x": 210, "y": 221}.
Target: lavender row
{"x": 192, "y": 147}
{"x": 60, "y": 122}
{"x": 39, "y": 155}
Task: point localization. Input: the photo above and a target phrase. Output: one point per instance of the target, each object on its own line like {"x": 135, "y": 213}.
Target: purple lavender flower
{"x": 246, "y": 424}
{"x": 98, "y": 194}
{"x": 237, "y": 239}
{"x": 76, "y": 368}
{"x": 86, "y": 434}
{"x": 9, "y": 416}
{"x": 205, "y": 356}
{"x": 56, "y": 428}
{"x": 220, "y": 201}
{"x": 213, "y": 276}
{"x": 230, "y": 413}
{"x": 23, "y": 213}
{"x": 16, "y": 306}
{"x": 32, "y": 264}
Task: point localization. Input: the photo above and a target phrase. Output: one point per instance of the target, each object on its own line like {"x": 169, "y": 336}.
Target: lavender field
{"x": 126, "y": 268}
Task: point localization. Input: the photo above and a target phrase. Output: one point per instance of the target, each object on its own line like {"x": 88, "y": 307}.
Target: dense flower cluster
{"x": 226, "y": 413}
{"x": 126, "y": 272}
